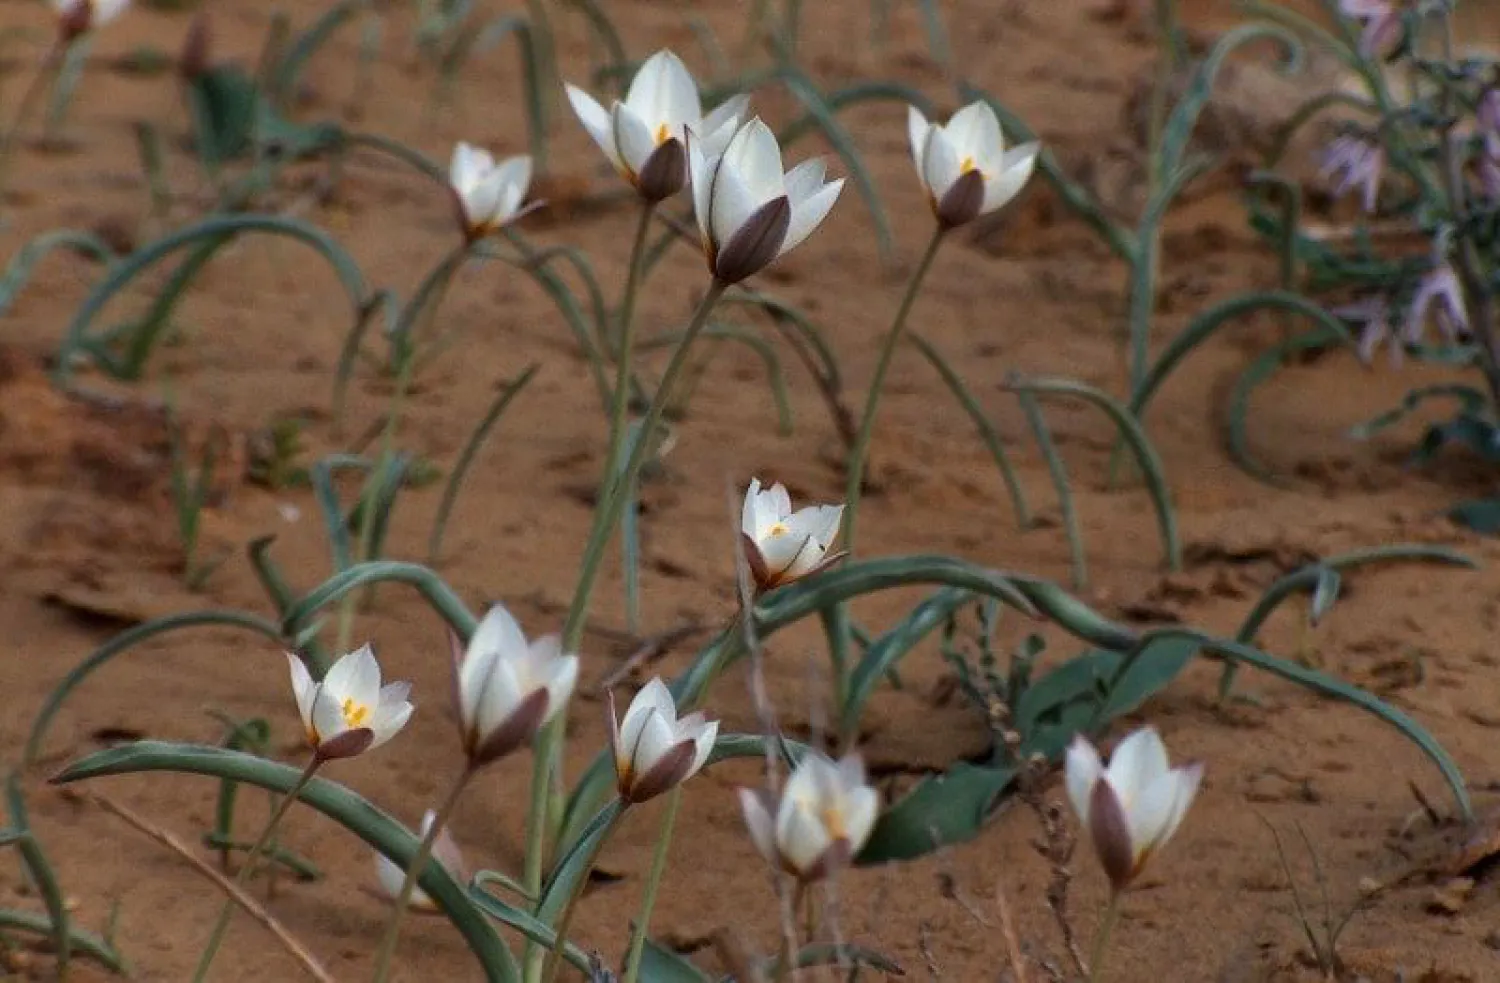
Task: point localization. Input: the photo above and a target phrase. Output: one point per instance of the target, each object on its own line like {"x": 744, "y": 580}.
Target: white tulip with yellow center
{"x": 964, "y": 165}
{"x": 78, "y": 16}
{"x": 487, "y": 194}
{"x": 645, "y": 136}
{"x": 654, "y": 751}
{"x": 507, "y": 687}
{"x": 1131, "y": 808}
{"x": 444, "y": 850}
{"x": 349, "y": 712}
{"x": 823, "y": 818}
{"x": 749, "y": 212}
{"x": 781, "y": 545}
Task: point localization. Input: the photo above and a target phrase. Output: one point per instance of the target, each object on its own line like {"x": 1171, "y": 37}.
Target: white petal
{"x": 850, "y": 774}
{"x": 512, "y": 179}
{"x": 733, "y": 204}
{"x": 355, "y": 677}
{"x": 634, "y": 141}
{"x": 804, "y": 180}
{"x": 1189, "y": 777}
{"x": 1150, "y": 814}
{"x": 916, "y": 132}
{"x": 468, "y": 165}
{"x": 561, "y": 680}
{"x": 107, "y": 10}
{"x": 390, "y": 715}
{"x": 391, "y": 879}
{"x": 1016, "y": 170}
{"x": 1082, "y": 770}
{"x": 704, "y": 737}
{"x": 663, "y": 91}
{"x": 750, "y": 511}
{"x": 595, "y": 120}
{"x": 327, "y": 715}
{"x": 654, "y": 699}
{"x": 760, "y": 823}
{"x": 821, "y": 522}
{"x": 809, "y": 214}
{"x": 654, "y": 738}
{"x": 498, "y": 636}
{"x": 303, "y": 688}
{"x": 755, "y": 158}
{"x": 940, "y": 162}
{"x": 1138, "y": 761}
{"x": 975, "y": 133}
{"x": 861, "y": 809}
{"x": 501, "y": 694}
{"x": 780, "y": 551}
{"x": 701, "y": 172}
{"x": 814, "y": 778}
{"x": 801, "y": 838}
{"x": 720, "y": 125}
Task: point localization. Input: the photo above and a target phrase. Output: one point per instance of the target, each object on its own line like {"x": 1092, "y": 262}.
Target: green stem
{"x": 216, "y": 937}
{"x": 608, "y": 512}
{"x": 565, "y": 921}
{"x": 1101, "y": 938}
{"x": 626, "y": 346}
{"x": 48, "y": 69}
{"x": 653, "y": 882}
{"x": 856, "y": 466}
{"x": 547, "y": 746}
{"x": 414, "y": 872}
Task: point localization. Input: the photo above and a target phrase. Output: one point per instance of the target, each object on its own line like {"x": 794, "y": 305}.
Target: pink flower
{"x": 1381, "y": 23}
{"x": 1441, "y": 295}
{"x": 1373, "y": 315}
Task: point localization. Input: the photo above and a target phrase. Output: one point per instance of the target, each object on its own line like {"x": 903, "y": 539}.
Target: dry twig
{"x": 235, "y": 893}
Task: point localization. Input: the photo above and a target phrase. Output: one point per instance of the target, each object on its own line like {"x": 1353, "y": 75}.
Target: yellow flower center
{"x": 663, "y": 134}
{"x": 355, "y": 714}
{"x": 779, "y": 529}
{"x": 966, "y": 165}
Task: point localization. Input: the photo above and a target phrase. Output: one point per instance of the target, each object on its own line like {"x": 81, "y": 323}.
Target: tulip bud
{"x": 781, "y": 545}
{"x": 822, "y": 819}
{"x": 964, "y": 165}
{"x": 507, "y": 688}
{"x": 654, "y": 751}
{"x": 1132, "y": 808}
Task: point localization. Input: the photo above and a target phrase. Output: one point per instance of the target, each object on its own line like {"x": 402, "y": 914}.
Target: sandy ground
{"x": 88, "y": 544}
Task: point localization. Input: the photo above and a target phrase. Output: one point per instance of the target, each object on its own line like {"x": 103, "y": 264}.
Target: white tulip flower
{"x": 78, "y": 16}
{"x": 349, "y": 712}
{"x": 964, "y": 166}
{"x": 508, "y": 688}
{"x": 781, "y": 545}
{"x": 1134, "y": 806}
{"x": 444, "y": 850}
{"x": 487, "y": 194}
{"x": 749, "y": 212}
{"x": 655, "y": 751}
{"x": 823, "y": 818}
{"x": 645, "y": 136}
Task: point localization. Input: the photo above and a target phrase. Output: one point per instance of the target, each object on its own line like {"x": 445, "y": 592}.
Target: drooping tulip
{"x": 964, "y": 165}
{"x": 349, "y": 712}
{"x": 1130, "y": 809}
{"x": 653, "y": 749}
{"x": 507, "y": 687}
{"x": 487, "y": 194}
{"x": 444, "y": 850}
{"x": 824, "y": 816}
{"x": 781, "y": 545}
{"x": 645, "y": 135}
{"x": 750, "y": 212}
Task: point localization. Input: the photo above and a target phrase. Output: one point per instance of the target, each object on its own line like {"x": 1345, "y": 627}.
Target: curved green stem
{"x": 856, "y": 465}
{"x": 414, "y": 871}
{"x": 653, "y": 882}
{"x": 565, "y": 920}
{"x": 216, "y": 937}
{"x": 1101, "y": 937}
{"x": 626, "y": 347}
{"x": 48, "y": 69}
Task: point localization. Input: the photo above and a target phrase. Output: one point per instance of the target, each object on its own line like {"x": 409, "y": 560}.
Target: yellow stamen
{"x": 966, "y": 165}
{"x": 663, "y": 134}
{"x": 355, "y": 714}
{"x": 779, "y": 529}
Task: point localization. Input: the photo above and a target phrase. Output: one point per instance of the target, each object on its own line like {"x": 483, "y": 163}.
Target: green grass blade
{"x": 468, "y": 455}
{"x": 987, "y": 432}
{"x": 42, "y": 875}
{"x": 1337, "y": 689}
{"x": 351, "y": 811}
{"x": 287, "y": 74}
{"x": 775, "y": 377}
{"x": 81, "y": 941}
{"x": 382, "y": 302}
{"x": 1304, "y": 26}
{"x": 438, "y": 594}
{"x": 218, "y": 230}
{"x": 522, "y": 921}
{"x": 1130, "y": 431}
{"x": 18, "y": 271}
{"x": 335, "y": 521}
{"x": 1470, "y": 400}
{"x": 889, "y": 648}
{"x": 879, "y": 91}
{"x": 126, "y": 640}
{"x": 1059, "y": 474}
{"x": 1305, "y": 113}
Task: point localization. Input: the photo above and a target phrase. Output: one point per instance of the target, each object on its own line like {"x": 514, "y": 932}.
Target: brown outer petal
{"x": 668, "y": 771}
{"x": 514, "y": 732}
{"x": 756, "y": 243}
{"x": 1110, "y": 831}
{"x": 664, "y": 173}
{"x": 960, "y": 204}
{"x": 836, "y": 857}
{"x": 758, "y": 570}
{"x": 612, "y": 730}
{"x": 76, "y": 21}
{"x": 457, "y": 650}
{"x": 345, "y": 745}
{"x": 192, "y": 60}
